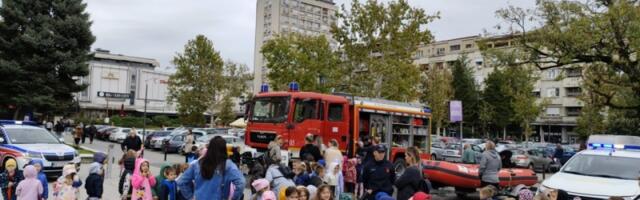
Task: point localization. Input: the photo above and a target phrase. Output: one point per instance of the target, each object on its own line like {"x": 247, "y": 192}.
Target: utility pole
{"x": 144, "y": 115}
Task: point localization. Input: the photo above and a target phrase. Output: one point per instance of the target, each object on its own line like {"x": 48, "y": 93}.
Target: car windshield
{"x": 270, "y": 109}
{"x": 604, "y": 166}
{"x": 206, "y": 139}
{"x": 30, "y": 136}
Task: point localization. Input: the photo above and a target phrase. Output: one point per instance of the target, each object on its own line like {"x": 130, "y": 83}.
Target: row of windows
{"x": 314, "y": 109}
{"x": 569, "y": 111}
{"x": 555, "y": 92}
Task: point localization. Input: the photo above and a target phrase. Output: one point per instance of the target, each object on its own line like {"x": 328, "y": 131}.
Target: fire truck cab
{"x": 294, "y": 114}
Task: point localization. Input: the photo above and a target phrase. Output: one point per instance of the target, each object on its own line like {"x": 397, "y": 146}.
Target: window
{"x": 454, "y": 47}
{"x": 335, "y": 112}
{"x": 552, "y": 74}
{"x": 439, "y": 51}
{"x": 553, "y": 111}
{"x": 468, "y": 46}
{"x": 573, "y": 91}
{"x": 306, "y": 109}
{"x": 553, "y": 92}
{"x": 501, "y": 44}
{"x": 573, "y": 72}
{"x": 573, "y": 111}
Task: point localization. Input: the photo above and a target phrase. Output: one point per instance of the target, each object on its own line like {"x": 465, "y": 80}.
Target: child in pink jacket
{"x": 142, "y": 181}
{"x": 30, "y": 188}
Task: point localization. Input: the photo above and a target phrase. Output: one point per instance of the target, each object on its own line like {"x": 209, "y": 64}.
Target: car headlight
{"x": 542, "y": 189}
{"x": 32, "y": 155}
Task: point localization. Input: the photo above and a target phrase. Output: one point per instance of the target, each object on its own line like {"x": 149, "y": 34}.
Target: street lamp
{"x": 144, "y": 115}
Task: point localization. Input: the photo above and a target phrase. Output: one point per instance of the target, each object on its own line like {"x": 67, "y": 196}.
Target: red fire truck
{"x": 293, "y": 115}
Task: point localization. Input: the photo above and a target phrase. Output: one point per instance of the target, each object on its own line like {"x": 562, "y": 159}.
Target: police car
{"x": 24, "y": 141}
{"x": 609, "y": 167}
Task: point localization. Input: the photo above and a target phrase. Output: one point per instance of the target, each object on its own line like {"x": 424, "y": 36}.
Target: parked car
{"x": 24, "y": 141}
{"x": 158, "y": 142}
{"x": 157, "y": 134}
{"x": 119, "y": 134}
{"x": 533, "y": 159}
{"x": 211, "y": 131}
{"x": 175, "y": 142}
{"x": 475, "y": 141}
{"x": 104, "y": 133}
{"x": 453, "y": 152}
{"x": 232, "y": 141}
{"x": 437, "y": 151}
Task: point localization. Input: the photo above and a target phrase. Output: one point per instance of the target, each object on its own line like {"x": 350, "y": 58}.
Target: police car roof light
{"x": 610, "y": 140}
{"x": 15, "y": 122}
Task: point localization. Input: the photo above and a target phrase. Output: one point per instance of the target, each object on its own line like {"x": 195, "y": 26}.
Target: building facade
{"x": 118, "y": 84}
{"x": 560, "y": 86}
{"x": 273, "y": 17}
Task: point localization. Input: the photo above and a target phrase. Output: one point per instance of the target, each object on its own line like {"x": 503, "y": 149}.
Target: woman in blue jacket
{"x": 215, "y": 176}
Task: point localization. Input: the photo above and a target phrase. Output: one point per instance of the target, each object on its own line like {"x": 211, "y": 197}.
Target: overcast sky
{"x": 160, "y": 28}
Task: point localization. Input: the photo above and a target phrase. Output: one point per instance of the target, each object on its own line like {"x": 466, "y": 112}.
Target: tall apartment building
{"x": 561, "y": 86}
{"x": 309, "y": 17}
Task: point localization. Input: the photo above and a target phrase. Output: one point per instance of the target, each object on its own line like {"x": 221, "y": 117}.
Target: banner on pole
{"x": 455, "y": 111}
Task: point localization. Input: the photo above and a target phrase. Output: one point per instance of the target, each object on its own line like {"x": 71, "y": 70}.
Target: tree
{"x": 437, "y": 94}
{"x": 600, "y": 35}
{"x": 520, "y": 88}
{"x": 44, "y": 47}
{"x": 485, "y": 113}
{"x": 196, "y": 81}
{"x": 377, "y": 42}
{"x": 591, "y": 120}
{"x": 233, "y": 85}
{"x": 465, "y": 89}
{"x": 496, "y": 94}
{"x": 307, "y": 60}
{"x": 226, "y": 115}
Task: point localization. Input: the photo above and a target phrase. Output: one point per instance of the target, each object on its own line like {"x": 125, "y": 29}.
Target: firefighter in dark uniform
{"x": 378, "y": 175}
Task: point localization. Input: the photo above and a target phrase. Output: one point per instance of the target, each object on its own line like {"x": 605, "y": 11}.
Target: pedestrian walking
{"x": 92, "y": 133}
{"x": 310, "y": 152}
{"x": 468, "y": 155}
{"x": 378, "y": 175}
{"x": 95, "y": 180}
{"x": 77, "y": 134}
{"x": 142, "y": 181}
{"x": 30, "y": 188}
{"x": 59, "y": 128}
{"x": 490, "y": 165}
{"x": 66, "y": 187}
{"x": 85, "y": 132}
{"x": 214, "y": 175}
{"x": 332, "y": 154}
{"x": 189, "y": 141}
{"x": 37, "y": 163}
{"x": 274, "y": 153}
{"x": 411, "y": 180}
{"x": 132, "y": 142}
{"x": 9, "y": 179}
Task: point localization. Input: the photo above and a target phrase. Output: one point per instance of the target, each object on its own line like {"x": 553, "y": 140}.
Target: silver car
{"x": 533, "y": 159}
{"x": 437, "y": 151}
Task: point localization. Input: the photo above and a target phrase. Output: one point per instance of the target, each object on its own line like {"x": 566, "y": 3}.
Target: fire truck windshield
{"x": 270, "y": 109}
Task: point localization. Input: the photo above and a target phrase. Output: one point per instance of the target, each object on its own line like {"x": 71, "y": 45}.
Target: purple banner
{"x": 455, "y": 111}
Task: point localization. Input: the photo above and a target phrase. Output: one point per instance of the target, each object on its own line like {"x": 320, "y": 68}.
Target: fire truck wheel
{"x": 399, "y": 166}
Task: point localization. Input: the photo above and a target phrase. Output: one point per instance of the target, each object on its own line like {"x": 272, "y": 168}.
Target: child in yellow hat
{"x": 9, "y": 179}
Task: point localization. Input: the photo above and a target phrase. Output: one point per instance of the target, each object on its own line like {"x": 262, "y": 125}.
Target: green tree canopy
{"x": 44, "y": 47}
{"x": 496, "y": 94}
{"x": 437, "y": 94}
{"x": 193, "y": 86}
{"x": 377, "y": 41}
{"x": 465, "y": 89}
{"x": 304, "y": 59}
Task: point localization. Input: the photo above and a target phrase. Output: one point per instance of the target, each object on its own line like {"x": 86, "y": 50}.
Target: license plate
{"x": 58, "y": 164}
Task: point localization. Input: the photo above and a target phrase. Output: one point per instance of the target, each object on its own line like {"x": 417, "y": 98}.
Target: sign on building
{"x": 114, "y": 95}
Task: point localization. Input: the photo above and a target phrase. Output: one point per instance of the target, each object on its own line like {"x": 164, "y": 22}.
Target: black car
{"x": 149, "y": 138}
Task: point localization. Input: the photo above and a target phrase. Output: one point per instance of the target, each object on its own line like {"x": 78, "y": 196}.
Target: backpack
{"x": 286, "y": 171}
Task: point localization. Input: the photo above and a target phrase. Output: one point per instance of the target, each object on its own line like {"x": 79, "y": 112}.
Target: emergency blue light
{"x": 426, "y": 110}
{"x": 614, "y": 146}
{"x": 15, "y": 122}
{"x": 264, "y": 88}
{"x": 294, "y": 87}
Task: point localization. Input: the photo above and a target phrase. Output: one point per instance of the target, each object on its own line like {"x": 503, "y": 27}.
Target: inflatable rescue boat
{"x": 465, "y": 176}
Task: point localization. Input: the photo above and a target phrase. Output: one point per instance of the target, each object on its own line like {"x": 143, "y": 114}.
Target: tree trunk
{"x": 504, "y": 133}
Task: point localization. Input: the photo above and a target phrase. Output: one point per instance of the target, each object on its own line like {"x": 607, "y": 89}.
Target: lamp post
{"x": 144, "y": 114}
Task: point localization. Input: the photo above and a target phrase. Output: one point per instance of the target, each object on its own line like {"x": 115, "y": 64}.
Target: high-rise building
{"x": 309, "y": 17}
{"x": 560, "y": 86}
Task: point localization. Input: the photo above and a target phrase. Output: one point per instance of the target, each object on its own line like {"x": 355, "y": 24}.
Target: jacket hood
{"x": 30, "y": 172}
{"x": 68, "y": 169}
{"x": 36, "y": 161}
{"x": 99, "y": 157}
{"x": 161, "y": 176}
{"x": 95, "y": 168}
{"x": 493, "y": 153}
{"x": 139, "y": 162}
{"x": 332, "y": 167}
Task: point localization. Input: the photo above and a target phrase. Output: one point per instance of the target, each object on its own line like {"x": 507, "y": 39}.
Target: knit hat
{"x": 99, "y": 157}
{"x": 268, "y": 195}
{"x": 10, "y": 164}
{"x": 421, "y": 196}
{"x": 525, "y": 194}
{"x": 260, "y": 184}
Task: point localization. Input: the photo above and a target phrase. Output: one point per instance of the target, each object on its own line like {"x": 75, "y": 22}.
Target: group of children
{"x": 138, "y": 183}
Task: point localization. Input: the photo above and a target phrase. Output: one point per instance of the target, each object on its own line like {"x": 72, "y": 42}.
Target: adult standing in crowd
{"x": 490, "y": 165}
{"x": 378, "y": 175}
{"x": 333, "y": 154}
{"x": 189, "y": 140}
{"x": 213, "y": 176}
{"x": 77, "y": 134}
{"x": 274, "y": 153}
{"x": 132, "y": 142}
{"x": 559, "y": 152}
{"x": 85, "y": 132}
{"x": 468, "y": 155}
{"x": 92, "y": 132}
{"x": 309, "y": 151}
{"x": 411, "y": 180}
{"x": 59, "y": 128}
{"x": 366, "y": 150}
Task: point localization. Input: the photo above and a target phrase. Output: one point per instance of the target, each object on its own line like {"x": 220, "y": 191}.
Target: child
{"x": 66, "y": 187}
{"x": 302, "y": 177}
{"x": 169, "y": 188}
{"x": 95, "y": 179}
{"x": 324, "y": 193}
{"x": 9, "y": 179}
{"x": 303, "y": 193}
{"x": 30, "y": 188}
{"x": 334, "y": 178}
{"x": 37, "y": 163}
{"x": 316, "y": 177}
{"x": 159, "y": 178}
{"x": 291, "y": 193}
{"x": 261, "y": 186}
{"x": 269, "y": 195}
{"x": 487, "y": 193}
{"x": 142, "y": 181}
{"x": 350, "y": 174}
{"x": 127, "y": 162}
